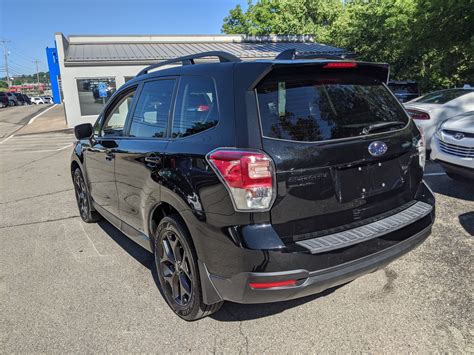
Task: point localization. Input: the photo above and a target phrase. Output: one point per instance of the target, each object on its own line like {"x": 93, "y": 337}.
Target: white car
{"x": 430, "y": 110}
{"x": 453, "y": 146}
{"x": 47, "y": 99}
{"x": 37, "y": 100}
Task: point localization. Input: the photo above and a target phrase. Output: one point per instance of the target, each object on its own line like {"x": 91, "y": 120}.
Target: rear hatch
{"x": 344, "y": 149}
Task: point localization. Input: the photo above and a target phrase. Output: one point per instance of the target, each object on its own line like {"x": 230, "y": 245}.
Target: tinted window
{"x": 116, "y": 116}
{"x": 441, "y": 97}
{"x": 196, "y": 106}
{"x": 153, "y": 107}
{"x": 324, "y": 106}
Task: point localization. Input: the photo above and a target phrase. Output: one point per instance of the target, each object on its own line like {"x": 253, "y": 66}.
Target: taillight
{"x": 418, "y": 115}
{"x": 337, "y": 65}
{"x": 248, "y": 175}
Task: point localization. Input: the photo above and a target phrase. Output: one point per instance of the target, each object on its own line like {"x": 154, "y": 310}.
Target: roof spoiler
{"x": 292, "y": 54}
{"x": 189, "y": 60}
{"x": 378, "y": 71}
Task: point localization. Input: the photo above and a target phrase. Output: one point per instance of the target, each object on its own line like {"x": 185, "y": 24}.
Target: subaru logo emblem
{"x": 459, "y": 135}
{"x": 377, "y": 149}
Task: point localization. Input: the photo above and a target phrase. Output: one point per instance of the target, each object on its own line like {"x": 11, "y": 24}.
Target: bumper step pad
{"x": 369, "y": 231}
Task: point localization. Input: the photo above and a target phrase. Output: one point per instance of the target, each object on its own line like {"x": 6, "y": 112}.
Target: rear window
{"x": 441, "y": 97}
{"x": 323, "y": 106}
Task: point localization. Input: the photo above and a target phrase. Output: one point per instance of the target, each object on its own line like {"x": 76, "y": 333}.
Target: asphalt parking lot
{"x": 67, "y": 286}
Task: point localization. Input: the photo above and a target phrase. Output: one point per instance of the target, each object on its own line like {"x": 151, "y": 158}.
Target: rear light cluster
{"x": 248, "y": 175}
{"x": 418, "y": 115}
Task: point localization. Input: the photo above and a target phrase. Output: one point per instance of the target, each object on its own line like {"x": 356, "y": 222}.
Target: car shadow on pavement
{"x": 446, "y": 186}
{"x": 140, "y": 254}
{"x": 467, "y": 222}
{"x": 231, "y": 312}
{"x": 235, "y": 312}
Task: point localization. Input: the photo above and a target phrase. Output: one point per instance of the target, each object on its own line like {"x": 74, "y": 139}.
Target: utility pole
{"x": 37, "y": 72}
{"x": 5, "y": 52}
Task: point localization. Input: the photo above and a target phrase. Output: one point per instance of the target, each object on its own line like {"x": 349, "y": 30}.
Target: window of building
{"x": 117, "y": 115}
{"x": 91, "y": 99}
{"x": 196, "y": 107}
{"x": 152, "y": 110}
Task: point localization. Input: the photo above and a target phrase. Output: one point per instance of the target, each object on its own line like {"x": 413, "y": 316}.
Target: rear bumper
{"x": 237, "y": 289}
{"x": 226, "y": 274}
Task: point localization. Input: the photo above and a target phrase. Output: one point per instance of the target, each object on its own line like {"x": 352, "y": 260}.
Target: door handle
{"x": 153, "y": 159}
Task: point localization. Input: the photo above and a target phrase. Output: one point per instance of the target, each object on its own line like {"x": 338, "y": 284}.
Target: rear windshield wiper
{"x": 381, "y": 125}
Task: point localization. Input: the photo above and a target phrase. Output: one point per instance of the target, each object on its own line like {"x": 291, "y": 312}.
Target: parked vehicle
{"x": 256, "y": 181}
{"x": 404, "y": 90}
{"x": 453, "y": 146}
{"x": 47, "y": 99}
{"x": 12, "y": 99}
{"x": 27, "y": 99}
{"x": 21, "y": 99}
{"x": 431, "y": 109}
{"x": 4, "y": 100}
{"x": 37, "y": 100}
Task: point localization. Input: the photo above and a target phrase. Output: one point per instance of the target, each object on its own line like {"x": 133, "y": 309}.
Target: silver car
{"x": 429, "y": 110}
{"x": 453, "y": 146}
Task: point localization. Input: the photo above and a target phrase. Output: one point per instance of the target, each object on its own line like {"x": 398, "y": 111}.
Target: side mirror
{"x": 83, "y": 131}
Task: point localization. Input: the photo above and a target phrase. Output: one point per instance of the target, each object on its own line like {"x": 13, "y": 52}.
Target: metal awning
{"x": 83, "y": 54}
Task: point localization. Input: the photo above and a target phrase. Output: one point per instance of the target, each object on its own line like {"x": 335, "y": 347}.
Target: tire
{"x": 83, "y": 199}
{"x": 177, "y": 270}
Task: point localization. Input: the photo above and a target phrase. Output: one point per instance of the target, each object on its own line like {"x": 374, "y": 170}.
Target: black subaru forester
{"x": 256, "y": 181}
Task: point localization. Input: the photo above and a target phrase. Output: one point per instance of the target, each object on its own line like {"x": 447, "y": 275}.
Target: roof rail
{"x": 292, "y": 54}
{"x": 189, "y": 60}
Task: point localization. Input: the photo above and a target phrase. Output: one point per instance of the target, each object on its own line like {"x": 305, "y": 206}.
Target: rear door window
{"x": 152, "y": 111}
{"x": 324, "y": 106}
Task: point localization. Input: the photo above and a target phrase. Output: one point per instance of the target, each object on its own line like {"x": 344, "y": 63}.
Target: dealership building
{"x": 81, "y": 65}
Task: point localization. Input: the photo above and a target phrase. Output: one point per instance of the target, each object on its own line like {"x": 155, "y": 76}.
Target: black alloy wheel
{"x": 176, "y": 265}
{"x": 82, "y": 198}
{"x": 176, "y": 270}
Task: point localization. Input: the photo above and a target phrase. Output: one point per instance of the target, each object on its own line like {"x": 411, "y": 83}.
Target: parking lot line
{"x": 39, "y": 114}
{"x": 7, "y": 139}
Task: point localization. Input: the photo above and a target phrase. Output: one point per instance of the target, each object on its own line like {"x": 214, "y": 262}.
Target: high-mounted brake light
{"x": 339, "y": 65}
{"x": 248, "y": 175}
{"x": 272, "y": 284}
{"x": 418, "y": 115}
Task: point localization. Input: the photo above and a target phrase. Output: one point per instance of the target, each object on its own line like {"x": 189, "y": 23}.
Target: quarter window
{"x": 116, "y": 116}
{"x": 153, "y": 108}
{"x": 196, "y": 106}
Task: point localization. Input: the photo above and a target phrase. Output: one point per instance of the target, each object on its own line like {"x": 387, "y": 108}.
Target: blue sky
{"x": 31, "y": 24}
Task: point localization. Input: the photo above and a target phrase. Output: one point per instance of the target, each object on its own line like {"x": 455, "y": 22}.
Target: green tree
{"x": 431, "y": 41}
{"x": 284, "y": 17}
